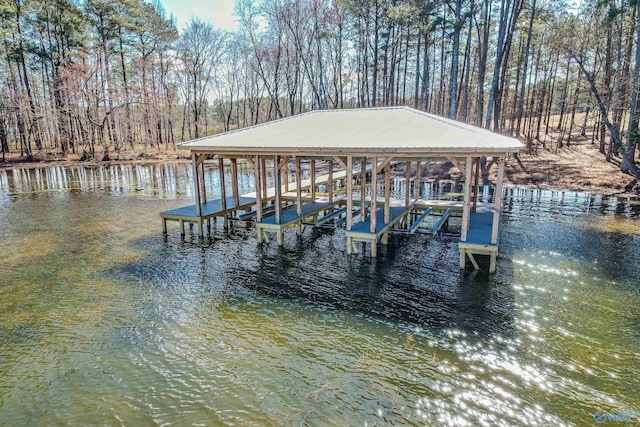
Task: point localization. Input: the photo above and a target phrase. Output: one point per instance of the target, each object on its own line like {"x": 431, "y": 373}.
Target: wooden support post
{"x": 387, "y": 194}
{"x": 196, "y": 185}
{"x": 313, "y": 180}
{"x": 286, "y": 177}
{"x": 234, "y": 180}
{"x": 330, "y": 181}
{"x": 298, "y": 194}
{"x": 476, "y": 179}
{"x": 417, "y": 182}
{"x": 407, "y": 181}
{"x": 258, "y": 174}
{"x": 277, "y": 188}
{"x": 349, "y": 193}
{"x": 467, "y": 199}
{"x": 363, "y": 189}
{"x": 374, "y": 194}
{"x": 497, "y": 195}
{"x": 263, "y": 177}
{"x": 223, "y": 189}
{"x": 203, "y": 186}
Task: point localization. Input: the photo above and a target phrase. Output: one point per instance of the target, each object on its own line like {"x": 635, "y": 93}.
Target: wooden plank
{"x": 467, "y": 199}
{"x": 363, "y": 189}
{"x": 196, "y": 183}
{"x": 258, "y": 175}
{"x": 417, "y": 182}
{"x": 349, "y": 169}
{"x": 387, "y": 192}
{"x": 223, "y": 190}
{"x": 234, "y": 180}
{"x": 407, "y": 183}
{"x": 330, "y": 181}
{"x": 374, "y": 192}
{"x": 476, "y": 180}
{"x": 421, "y": 218}
{"x": 312, "y": 168}
{"x": 441, "y": 222}
{"x": 201, "y": 159}
{"x": 298, "y": 187}
{"x": 497, "y": 195}
{"x": 283, "y": 162}
{"x": 278, "y": 188}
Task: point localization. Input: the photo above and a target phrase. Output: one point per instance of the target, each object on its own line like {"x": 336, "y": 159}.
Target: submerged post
{"x": 497, "y": 195}
{"x": 467, "y": 199}
{"x": 256, "y": 169}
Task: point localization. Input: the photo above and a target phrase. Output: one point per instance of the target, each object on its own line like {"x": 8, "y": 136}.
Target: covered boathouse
{"x": 355, "y": 146}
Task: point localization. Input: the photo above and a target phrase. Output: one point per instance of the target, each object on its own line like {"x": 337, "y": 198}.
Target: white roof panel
{"x": 366, "y": 131}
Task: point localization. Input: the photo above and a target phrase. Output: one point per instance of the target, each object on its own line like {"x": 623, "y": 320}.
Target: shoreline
{"x": 572, "y": 170}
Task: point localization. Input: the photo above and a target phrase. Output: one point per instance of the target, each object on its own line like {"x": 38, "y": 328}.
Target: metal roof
{"x": 369, "y": 131}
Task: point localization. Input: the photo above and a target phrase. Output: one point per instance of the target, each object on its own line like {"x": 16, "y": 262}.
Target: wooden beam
{"x": 407, "y": 180}
{"x": 387, "y": 193}
{"x": 283, "y": 161}
{"x": 201, "y": 159}
{"x": 196, "y": 183}
{"x": 312, "y": 168}
{"x": 258, "y": 175}
{"x": 278, "y": 188}
{"x": 286, "y": 177}
{"x": 330, "y": 180}
{"x": 223, "y": 190}
{"x": 234, "y": 180}
{"x": 385, "y": 162}
{"x": 342, "y": 164}
{"x": 374, "y": 194}
{"x": 467, "y": 199}
{"x": 476, "y": 179}
{"x": 298, "y": 187}
{"x": 250, "y": 160}
{"x": 456, "y": 163}
{"x": 263, "y": 178}
{"x": 363, "y": 189}
{"x": 203, "y": 187}
{"x": 349, "y": 169}
{"x": 417, "y": 182}
{"x": 497, "y": 195}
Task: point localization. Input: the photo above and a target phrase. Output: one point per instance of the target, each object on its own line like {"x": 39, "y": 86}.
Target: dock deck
{"x": 479, "y": 241}
{"x": 361, "y": 231}
{"x": 210, "y": 209}
{"x": 290, "y": 218}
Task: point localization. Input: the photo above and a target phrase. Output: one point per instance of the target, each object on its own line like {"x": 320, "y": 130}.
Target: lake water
{"x": 103, "y": 320}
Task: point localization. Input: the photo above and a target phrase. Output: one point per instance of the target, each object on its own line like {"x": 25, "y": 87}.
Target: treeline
{"x": 103, "y": 76}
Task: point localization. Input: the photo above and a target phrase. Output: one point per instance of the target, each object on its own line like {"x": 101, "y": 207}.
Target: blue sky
{"x": 217, "y": 12}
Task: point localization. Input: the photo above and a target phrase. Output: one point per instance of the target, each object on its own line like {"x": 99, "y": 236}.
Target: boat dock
{"x": 348, "y": 142}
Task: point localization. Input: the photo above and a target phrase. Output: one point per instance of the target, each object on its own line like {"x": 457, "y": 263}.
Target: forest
{"x": 99, "y": 77}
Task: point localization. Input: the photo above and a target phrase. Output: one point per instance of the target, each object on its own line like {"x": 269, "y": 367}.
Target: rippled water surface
{"x": 105, "y": 321}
